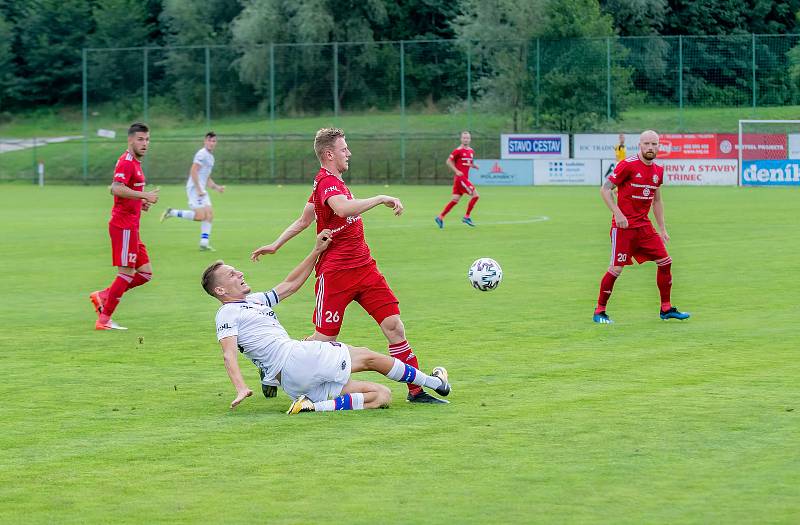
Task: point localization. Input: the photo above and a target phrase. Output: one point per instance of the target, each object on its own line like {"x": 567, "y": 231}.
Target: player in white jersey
{"x": 196, "y": 190}
{"x": 315, "y": 374}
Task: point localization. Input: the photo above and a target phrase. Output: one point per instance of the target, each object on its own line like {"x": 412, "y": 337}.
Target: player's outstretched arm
{"x": 303, "y": 222}
{"x": 297, "y": 277}
{"x": 606, "y": 191}
{"x": 344, "y": 207}
{"x": 229, "y": 354}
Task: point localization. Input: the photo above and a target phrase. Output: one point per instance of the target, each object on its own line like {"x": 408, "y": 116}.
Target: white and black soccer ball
{"x": 485, "y": 274}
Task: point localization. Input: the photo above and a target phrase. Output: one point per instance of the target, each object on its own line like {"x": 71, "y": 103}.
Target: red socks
{"x": 664, "y": 282}
{"x": 606, "y": 287}
{"x": 402, "y": 351}
{"x": 447, "y": 208}
{"x": 139, "y": 279}
{"x": 115, "y": 291}
{"x": 470, "y": 205}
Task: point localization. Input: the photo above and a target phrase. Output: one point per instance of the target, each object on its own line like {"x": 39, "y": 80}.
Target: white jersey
{"x": 260, "y": 336}
{"x": 206, "y": 161}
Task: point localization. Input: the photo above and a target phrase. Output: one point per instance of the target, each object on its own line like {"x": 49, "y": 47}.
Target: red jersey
{"x": 347, "y": 249}
{"x": 637, "y": 184}
{"x": 126, "y": 212}
{"x": 462, "y": 158}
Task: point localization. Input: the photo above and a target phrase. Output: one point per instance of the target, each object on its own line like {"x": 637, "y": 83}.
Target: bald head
{"x": 648, "y": 146}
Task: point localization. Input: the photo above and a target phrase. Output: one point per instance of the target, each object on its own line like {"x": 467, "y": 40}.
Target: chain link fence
{"x": 402, "y": 104}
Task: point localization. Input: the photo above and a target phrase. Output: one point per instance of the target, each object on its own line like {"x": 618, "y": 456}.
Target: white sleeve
{"x": 269, "y": 298}
{"x": 227, "y": 322}
{"x": 199, "y": 158}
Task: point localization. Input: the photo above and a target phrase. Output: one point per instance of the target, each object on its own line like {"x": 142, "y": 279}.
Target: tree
{"x": 6, "y": 60}
{"x": 51, "y": 34}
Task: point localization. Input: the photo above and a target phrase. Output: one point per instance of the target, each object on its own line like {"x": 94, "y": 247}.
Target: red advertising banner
{"x": 757, "y": 146}
{"x": 688, "y": 146}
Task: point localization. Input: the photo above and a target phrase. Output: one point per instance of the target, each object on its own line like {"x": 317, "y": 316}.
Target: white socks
{"x": 182, "y": 214}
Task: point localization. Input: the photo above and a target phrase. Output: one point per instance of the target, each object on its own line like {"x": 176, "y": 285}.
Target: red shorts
{"x": 338, "y": 288}
{"x": 642, "y": 243}
{"x": 462, "y": 186}
{"x": 126, "y": 248}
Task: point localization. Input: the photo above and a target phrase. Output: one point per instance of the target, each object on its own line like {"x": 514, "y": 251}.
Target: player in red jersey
{"x": 127, "y": 250}
{"x": 638, "y": 180}
{"x": 460, "y": 161}
{"x": 346, "y": 271}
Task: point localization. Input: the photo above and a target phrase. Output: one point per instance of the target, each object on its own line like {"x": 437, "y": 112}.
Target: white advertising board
{"x": 693, "y": 172}
{"x": 498, "y": 172}
{"x": 794, "y": 146}
{"x": 601, "y": 145}
{"x": 534, "y": 146}
{"x": 584, "y": 172}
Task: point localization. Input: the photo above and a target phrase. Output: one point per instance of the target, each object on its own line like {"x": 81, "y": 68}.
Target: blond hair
{"x": 324, "y": 140}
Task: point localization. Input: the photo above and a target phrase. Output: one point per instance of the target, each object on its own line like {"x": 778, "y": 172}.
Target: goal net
{"x": 769, "y": 152}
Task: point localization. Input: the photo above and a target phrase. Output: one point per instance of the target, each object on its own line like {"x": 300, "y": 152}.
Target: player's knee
{"x": 616, "y": 270}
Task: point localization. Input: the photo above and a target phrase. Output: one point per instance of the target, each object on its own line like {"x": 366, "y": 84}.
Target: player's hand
{"x": 268, "y": 249}
{"x": 240, "y": 397}
{"x": 664, "y": 236}
{"x": 621, "y": 220}
{"x": 201, "y": 193}
{"x": 323, "y": 240}
{"x": 145, "y": 205}
{"x": 220, "y": 189}
{"x": 393, "y": 203}
{"x": 151, "y": 197}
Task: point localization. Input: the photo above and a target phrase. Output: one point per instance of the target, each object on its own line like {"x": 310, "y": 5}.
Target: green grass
{"x": 553, "y": 419}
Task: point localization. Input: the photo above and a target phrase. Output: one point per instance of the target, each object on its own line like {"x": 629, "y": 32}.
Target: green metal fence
{"x": 402, "y": 104}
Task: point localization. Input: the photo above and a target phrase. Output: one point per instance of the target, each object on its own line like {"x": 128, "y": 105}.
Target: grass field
{"x": 553, "y": 419}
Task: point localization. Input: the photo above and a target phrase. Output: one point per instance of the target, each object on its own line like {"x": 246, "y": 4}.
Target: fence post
{"x": 538, "y": 75}
{"x": 85, "y": 97}
{"x": 208, "y": 88}
{"x": 608, "y": 79}
{"x": 144, "y": 82}
{"x": 753, "y": 47}
{"x": 469, "y": 86}
{"x": 272, "y": 111}
{"x": 680, "y": 82}
{"x": 335, "y": 81}
{"x": 403, "y": 110}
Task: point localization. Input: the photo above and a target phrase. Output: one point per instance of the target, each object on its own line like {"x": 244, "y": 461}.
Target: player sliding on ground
{"x": 639, "y": 181}
{"x": 315, "y": 374}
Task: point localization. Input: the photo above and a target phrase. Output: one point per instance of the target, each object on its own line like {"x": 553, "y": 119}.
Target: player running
{"x": 315, "y": 374}
{"x": 460, "y": 162}
{"x": 128, "y": 253}
{"x": 638, "y": 180}
{"x": 346, "y": 272}
{"x": 196, "y": 190}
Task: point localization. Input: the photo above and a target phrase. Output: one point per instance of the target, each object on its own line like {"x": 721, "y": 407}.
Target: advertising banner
{"x": 601, "y": 145}
{"x": 757, "y": 146}
{"x": 770, "y": 173}
{"x": 498, "y": 172}
{"x": 534, "y": 146}
{"x": 794, "y": 145}
{"x": 584, "y": 172}
{"x": 692, "y": 172}
{"x": 687, "y": 146}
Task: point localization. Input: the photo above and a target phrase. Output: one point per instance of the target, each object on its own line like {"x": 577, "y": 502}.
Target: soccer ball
{"x": 485, "y": 274}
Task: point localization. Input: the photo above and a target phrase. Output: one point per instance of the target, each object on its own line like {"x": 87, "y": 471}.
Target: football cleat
{"x": 602, "y": 318}
{"x": 110, "y": 325}
{"x": 441, "y": 373}
{"x": 673, "y": 313}
{"x": 207, "y": 248}
{"x": 439, "y": 222}
{"x": 468, "y": 221}
{"x": 97, "y": 302}
{"x": 165, "y": 215}
{"x": 424, "y": 397}
{"x": 302, "y": 404}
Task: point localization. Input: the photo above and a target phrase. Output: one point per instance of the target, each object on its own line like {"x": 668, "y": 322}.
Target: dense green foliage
{"x": 553, "y": 419}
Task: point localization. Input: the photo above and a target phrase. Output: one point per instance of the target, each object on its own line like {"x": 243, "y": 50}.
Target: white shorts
{"x": 196, "y": 201}
{"x": 317, "y": 369}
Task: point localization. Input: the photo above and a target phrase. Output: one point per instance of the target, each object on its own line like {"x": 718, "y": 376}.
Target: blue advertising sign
{"x": 534, "y": 146}
{"x": 770, "y": 173}
{"x": 496, "y": 172}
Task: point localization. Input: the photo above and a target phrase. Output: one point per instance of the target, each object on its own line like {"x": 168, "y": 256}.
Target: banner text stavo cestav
{"x": 534, "y": 146}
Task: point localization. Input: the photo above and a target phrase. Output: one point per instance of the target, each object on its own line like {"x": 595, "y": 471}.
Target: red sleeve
{"x": 311, "y": 198}
{"x": 123, "y": 172}
{"x": 455, "y": 155}
{"x": 328, "y": 187}
{"x": 621, "y": 173}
